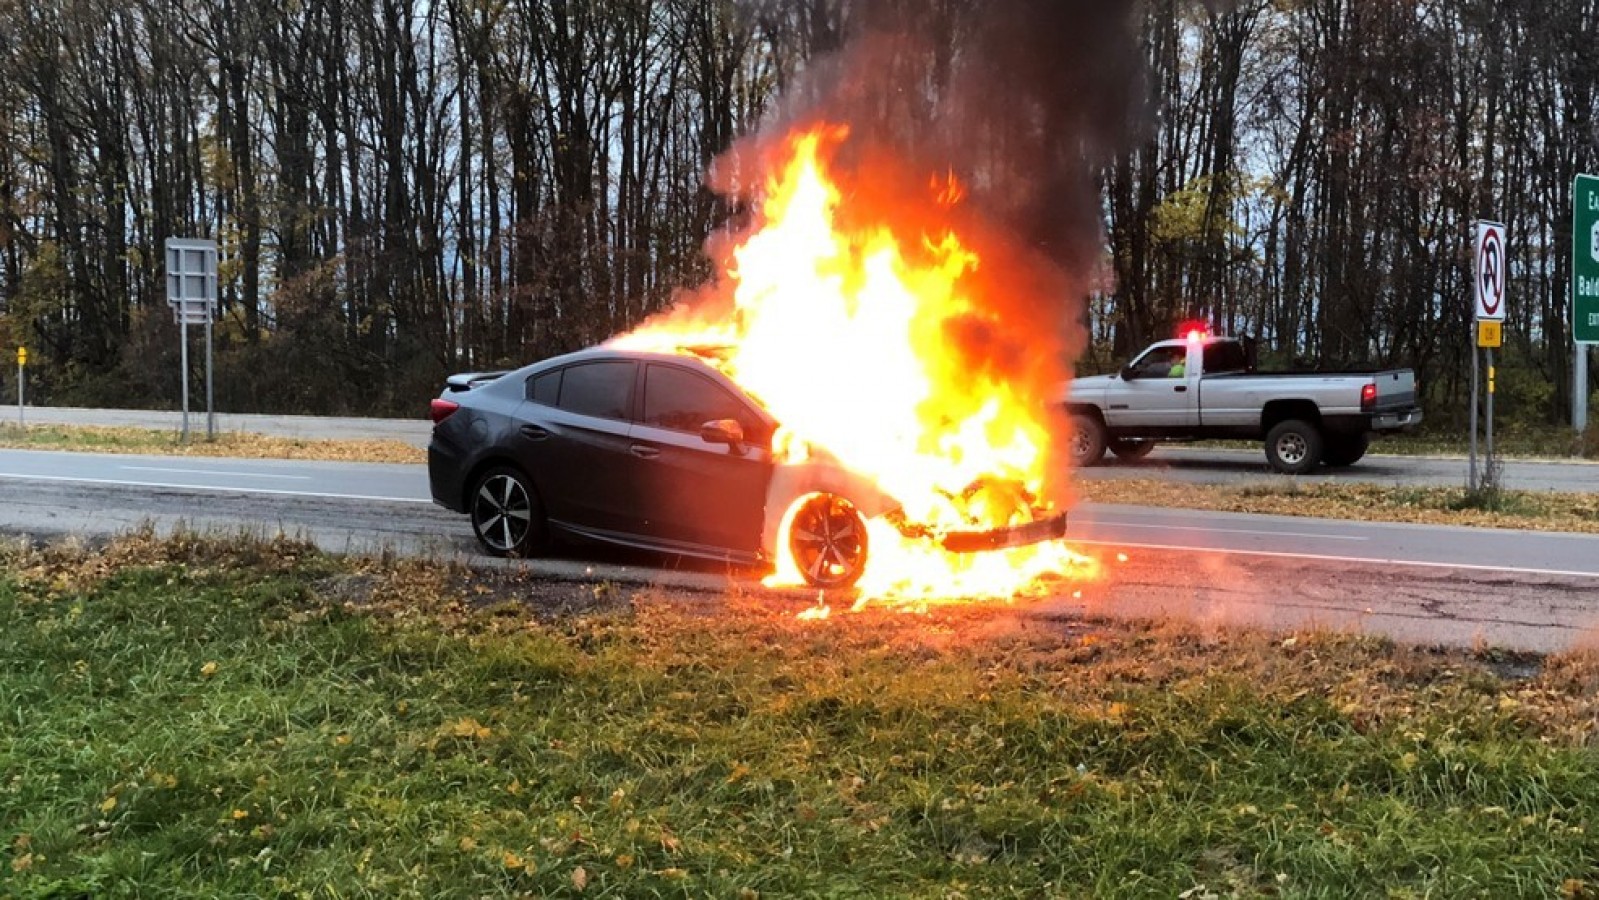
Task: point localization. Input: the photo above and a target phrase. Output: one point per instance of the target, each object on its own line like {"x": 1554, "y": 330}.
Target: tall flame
{"x": 847, "y": 333}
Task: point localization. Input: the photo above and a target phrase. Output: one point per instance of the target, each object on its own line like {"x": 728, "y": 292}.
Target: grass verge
{"x": 1531, "y": 510}
{"x": 99, "y": 439}
{"x": 198, "y": 718}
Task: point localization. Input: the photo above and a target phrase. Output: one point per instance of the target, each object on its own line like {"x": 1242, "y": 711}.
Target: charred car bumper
{"x": 1035, "y": 532}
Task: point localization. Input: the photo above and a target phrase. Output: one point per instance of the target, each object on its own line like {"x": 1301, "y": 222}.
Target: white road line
{"x": 1303, "y": 534}
{"x": 1321, "y": 557}
{"x": 212, "y": 489}
{"x": 213, "y": 472}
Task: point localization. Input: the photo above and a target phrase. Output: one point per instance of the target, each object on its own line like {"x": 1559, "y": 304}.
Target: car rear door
{"x": 697, "y": 492}
{"x": 572, "y": 438}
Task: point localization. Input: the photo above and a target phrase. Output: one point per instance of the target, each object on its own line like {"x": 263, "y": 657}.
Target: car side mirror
{"x": 724, "y": 431}
{"x": 1129, "y": 373}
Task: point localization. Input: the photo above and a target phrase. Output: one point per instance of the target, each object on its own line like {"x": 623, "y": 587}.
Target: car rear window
{"x": 603, "y": 389}
{"x": 545, "y": 389}
{"x": 1225, "y": 356}
{"x": 683, "y": 401}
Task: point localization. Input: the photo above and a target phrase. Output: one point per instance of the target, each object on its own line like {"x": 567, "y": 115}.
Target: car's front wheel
{"x": 1088, "y": 440}
{"x": 827, "y": 540}
{"x": 506, "y": 513}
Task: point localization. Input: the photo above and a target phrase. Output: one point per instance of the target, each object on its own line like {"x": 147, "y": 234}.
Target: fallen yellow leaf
{"x": 209, "y": 669}
{"x": 108, "y": 804}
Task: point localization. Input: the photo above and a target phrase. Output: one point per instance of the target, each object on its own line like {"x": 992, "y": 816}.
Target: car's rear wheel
{"x": 1346, "y": 449}
{"x": 1129, "y": 449}
{"x": 1088, "y": 440}
{"x": 827, "y": 540}
{"x": 506, "y": 513}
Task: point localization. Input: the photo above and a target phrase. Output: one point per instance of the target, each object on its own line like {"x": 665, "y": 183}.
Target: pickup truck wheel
{"x": 1346, "y": 449}
{"x": 1088, "y": 440}
{"x": 1130, "y": 449}
{"x": 1294, "y": 447}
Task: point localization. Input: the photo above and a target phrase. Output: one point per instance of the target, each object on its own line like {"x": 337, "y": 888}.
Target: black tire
{"x": 507, "y": 516}
{"x": 1294, "y": 447}
{"x": 1128, "y": 449}
{"x": 1088, "y": 440}
{"x": 827, "y": 540}
{"x": 1345, "y": 449}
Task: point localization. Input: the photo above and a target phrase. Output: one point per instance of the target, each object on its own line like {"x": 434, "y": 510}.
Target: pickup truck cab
{"x": 1204, "y": 387}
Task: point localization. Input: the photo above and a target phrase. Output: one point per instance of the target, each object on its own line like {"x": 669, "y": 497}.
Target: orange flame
{"x": 845, "y": 331}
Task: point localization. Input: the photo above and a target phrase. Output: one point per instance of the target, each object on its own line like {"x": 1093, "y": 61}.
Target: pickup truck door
{"x": 1147, "y": 395}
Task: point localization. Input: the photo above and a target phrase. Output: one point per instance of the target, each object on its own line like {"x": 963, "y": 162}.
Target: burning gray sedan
{"x": 660, "y": 452}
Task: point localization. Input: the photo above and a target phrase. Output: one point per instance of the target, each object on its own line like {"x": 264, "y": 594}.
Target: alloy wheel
{"x": 828, "y": 541}
{"x": 503, "y": 513}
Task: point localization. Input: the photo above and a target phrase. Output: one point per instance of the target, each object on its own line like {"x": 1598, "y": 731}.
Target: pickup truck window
{"x": 1160, "y": 363}
{"x": 1225, "y": 356}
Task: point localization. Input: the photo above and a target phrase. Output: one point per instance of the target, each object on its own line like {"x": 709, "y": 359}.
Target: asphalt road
{"x": 1191, "y": 463}
{"x": 1525, "y": 590}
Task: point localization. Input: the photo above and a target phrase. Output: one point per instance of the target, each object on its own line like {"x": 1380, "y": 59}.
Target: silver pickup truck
{"x": 1207, "y": 387}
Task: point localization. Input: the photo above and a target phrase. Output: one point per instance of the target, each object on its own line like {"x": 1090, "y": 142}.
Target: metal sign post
{"x": 1584, "y": 290}
{"x": 22, "y": 384}
{"x": 1490, "y": 271}
{"x": 1471, "y": 469}
{"x": 183, "y": 366}
{"x": 192, "y": 294}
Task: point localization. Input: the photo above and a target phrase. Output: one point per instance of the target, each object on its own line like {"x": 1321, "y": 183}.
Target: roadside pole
{"x": 1584, "y": 291}
{"x": 1488, "y": 455}
{"x": 1490, "y": 270}
{"x": 22, "y": 385}
{"x": 1579, "y": 391}
{"x": 210, "y": 407}
{"x": 183, "y": 365}
{"x": 192, "y": 294}
{"x": 1471, "y": 471}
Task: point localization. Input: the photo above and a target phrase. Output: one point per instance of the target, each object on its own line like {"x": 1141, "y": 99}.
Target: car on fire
{"x": 662, "y": 452}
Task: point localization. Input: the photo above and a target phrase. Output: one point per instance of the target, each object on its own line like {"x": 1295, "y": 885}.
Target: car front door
{"x": 1155, "y": 391}
{"x": 699, "y": 492}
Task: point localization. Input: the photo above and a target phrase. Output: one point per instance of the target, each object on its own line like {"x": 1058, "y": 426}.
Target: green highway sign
{"x": 1585, "y": 259}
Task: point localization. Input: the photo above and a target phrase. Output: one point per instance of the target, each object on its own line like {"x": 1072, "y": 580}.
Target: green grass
{"x": 199, "y": 719}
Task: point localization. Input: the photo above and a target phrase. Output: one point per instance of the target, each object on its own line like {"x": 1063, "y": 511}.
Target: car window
{"x": 545, "y": 389}
{"x": 603, "y": 389}
{"x": 1158, "y": 362}
{"x": 684, "y": 401}
{"x": 1225, "y": 356}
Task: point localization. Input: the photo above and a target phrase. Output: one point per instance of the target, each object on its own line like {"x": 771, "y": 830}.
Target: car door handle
{"x": 1181, "y": 388}
{"x": 644, "y": 451}
{"x": 534, "y": 432}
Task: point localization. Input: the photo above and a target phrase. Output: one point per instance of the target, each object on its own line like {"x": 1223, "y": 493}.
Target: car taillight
{"x": 441, "y": 409}
{"x": 1368, "y": 397}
